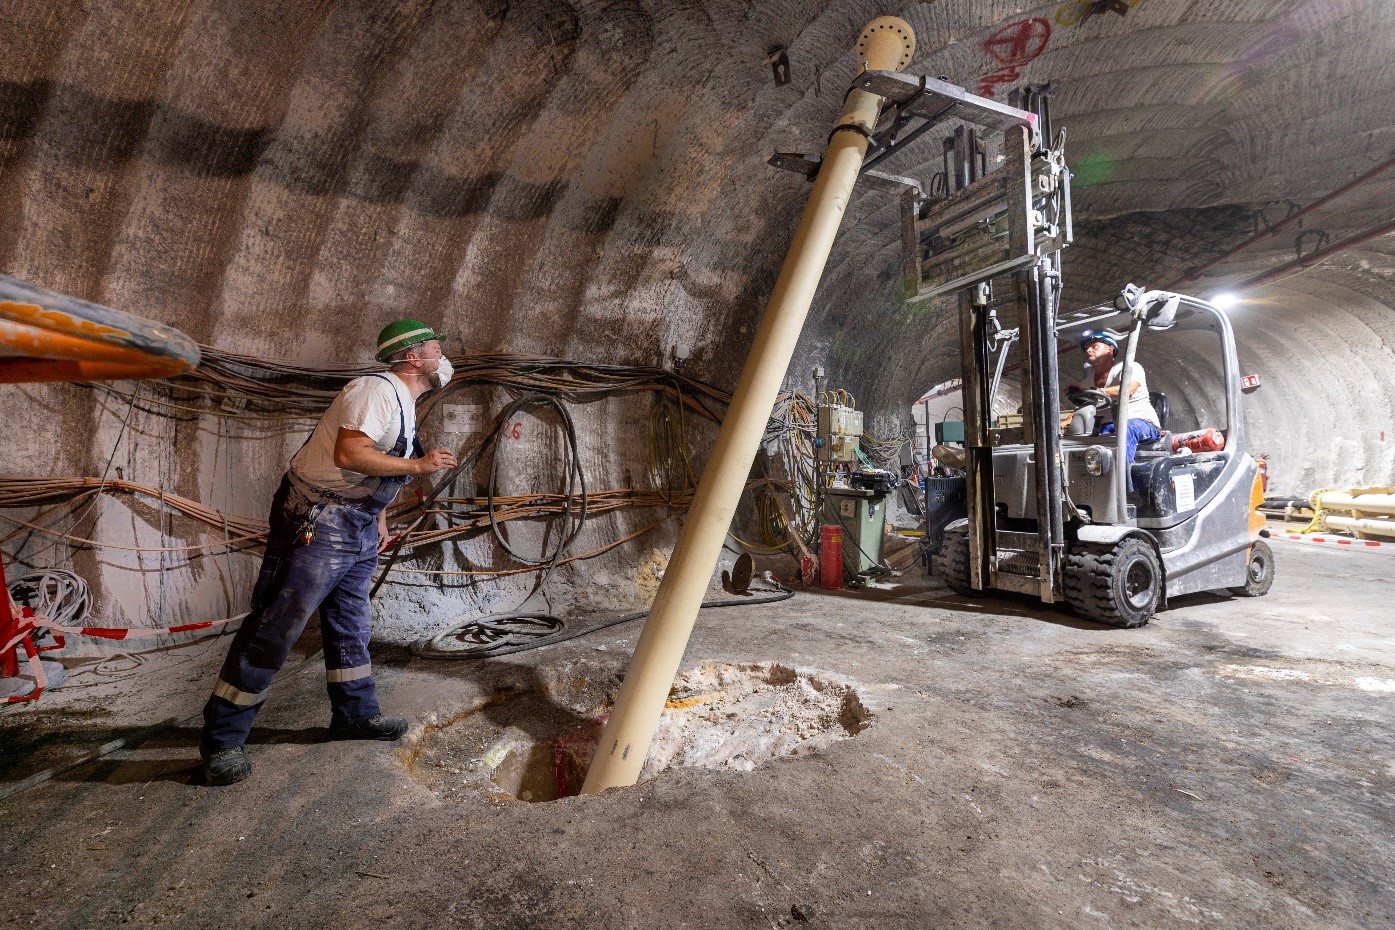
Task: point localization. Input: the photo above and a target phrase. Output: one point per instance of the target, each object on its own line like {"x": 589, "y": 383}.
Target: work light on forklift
{"x": 1126, "y": 301}
{"x": 1096, "y": 461}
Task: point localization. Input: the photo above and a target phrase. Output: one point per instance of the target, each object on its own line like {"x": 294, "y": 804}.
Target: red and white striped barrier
{"x": 1336, "y": 540}
{"x": 27, "y": 623}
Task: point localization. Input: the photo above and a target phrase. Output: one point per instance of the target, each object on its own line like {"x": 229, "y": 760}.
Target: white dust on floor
{"x": 535, "y": 743}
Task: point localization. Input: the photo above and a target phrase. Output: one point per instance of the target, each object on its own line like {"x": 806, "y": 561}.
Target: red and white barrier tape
{"x": 27, "y": 623}
{"x": 1337, "y": 540}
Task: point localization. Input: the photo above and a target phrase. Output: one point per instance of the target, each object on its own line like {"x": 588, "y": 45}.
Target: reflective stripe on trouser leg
{"x": 241, "y": 698}
{"x": 293, "y": 582}
{"x": 345, "y": 628}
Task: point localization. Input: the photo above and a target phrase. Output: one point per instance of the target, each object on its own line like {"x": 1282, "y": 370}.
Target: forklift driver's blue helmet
{"x": 1088, "y": 337}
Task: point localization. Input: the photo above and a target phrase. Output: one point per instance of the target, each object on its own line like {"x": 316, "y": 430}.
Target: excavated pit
{"x": 533, "y": 742}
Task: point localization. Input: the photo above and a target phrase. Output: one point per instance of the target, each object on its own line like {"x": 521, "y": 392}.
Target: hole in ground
{"x": 534, "y": 742}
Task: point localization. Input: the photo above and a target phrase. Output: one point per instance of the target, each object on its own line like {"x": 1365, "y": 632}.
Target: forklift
{"x": 1063, "y": 518}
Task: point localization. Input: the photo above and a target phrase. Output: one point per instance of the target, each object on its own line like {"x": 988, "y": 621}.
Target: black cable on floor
{"x": 499, "y": 634}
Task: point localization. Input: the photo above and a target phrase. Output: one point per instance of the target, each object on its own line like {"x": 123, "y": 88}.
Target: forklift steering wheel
{"x": 1086, "y": 397}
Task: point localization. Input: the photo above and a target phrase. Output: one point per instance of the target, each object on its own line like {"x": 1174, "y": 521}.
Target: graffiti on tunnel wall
{"x": 1013, "y": 45}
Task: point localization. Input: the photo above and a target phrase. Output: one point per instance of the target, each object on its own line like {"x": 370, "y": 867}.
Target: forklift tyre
{"x": 950, "y": 563}
{"x": 1120, "y": 585}
{"x": 1259, "y": 574}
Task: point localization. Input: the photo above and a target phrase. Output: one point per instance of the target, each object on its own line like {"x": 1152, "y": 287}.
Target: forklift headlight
{"x": 1096, "y": 461}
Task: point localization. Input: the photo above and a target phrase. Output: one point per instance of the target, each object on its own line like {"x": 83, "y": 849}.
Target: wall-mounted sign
{"x": 1249, "y": 382}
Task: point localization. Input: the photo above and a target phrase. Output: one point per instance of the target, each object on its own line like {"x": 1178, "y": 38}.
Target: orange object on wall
{"x": 46, "y": 336}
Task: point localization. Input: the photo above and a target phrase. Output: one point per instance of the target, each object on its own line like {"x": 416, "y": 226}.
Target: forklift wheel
{"x": 1259, "y": 575}
{"x": 950, "y": 563}
{"x": 1120, "y": 585}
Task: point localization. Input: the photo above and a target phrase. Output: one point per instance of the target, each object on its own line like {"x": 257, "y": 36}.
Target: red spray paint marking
{"x": 1013, "y": 45}
{"x": 1018, "y": 43}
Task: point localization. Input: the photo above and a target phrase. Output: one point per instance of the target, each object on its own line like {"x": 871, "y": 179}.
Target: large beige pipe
{"x": 885, "y": 45}
{"x": 1361, "y": 526}
{"x": 1357, "y": 503}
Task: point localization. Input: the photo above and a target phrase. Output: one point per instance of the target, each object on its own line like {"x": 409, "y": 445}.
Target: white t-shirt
{"x": 1140, "y": 405}
{"x": 375, "y": 405}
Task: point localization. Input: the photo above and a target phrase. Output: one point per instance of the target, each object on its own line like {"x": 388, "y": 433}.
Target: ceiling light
{"x": 1225, "y": 301}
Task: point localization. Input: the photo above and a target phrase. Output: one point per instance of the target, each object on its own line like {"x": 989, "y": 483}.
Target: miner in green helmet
{"x": 328, "y": 524}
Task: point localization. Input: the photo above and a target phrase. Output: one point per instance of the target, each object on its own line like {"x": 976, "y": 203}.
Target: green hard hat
{"x": 403, "y": 334}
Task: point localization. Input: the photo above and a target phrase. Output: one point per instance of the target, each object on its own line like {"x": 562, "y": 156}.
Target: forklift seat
{"x": 1159, "y": 401}
{"x": 1163, "y": 443}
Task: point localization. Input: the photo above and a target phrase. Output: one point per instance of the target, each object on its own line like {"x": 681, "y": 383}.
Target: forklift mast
{"x": 992, "y": 232}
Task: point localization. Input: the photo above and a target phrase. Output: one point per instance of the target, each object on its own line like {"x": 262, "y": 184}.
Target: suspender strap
{"x": 401, "y": 413}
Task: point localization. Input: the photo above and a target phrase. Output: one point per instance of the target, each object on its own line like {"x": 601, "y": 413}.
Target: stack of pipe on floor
{"x": 1363, "y": 512}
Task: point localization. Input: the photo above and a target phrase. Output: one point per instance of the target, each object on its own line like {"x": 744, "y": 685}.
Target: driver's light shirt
{"x": 1140, "y": 406}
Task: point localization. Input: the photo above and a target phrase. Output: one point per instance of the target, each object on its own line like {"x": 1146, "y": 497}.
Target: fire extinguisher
{"x": 1264, "y": 473}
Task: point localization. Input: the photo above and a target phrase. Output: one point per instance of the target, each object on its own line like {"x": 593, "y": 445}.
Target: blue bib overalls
{"x": 321, "y": 552}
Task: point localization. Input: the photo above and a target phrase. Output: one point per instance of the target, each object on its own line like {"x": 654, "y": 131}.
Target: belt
{"x": 315, "y": 495}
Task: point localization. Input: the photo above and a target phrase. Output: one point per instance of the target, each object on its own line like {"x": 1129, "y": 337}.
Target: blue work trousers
{"x": 332, "y": 573}
{"x": 1139, "y": 431}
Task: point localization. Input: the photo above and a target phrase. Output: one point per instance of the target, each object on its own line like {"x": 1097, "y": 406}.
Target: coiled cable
{"x": 508, "y": 633}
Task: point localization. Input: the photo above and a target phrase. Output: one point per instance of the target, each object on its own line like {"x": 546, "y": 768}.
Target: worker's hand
{"x": 434, "y": 461}
{"x": 383, "y": 540}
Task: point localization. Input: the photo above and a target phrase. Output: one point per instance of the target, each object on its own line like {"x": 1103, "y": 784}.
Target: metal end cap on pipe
{"x": 884, "y": 32}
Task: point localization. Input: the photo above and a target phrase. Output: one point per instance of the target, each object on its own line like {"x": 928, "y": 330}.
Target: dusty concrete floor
{"x": 1230, "y": 765}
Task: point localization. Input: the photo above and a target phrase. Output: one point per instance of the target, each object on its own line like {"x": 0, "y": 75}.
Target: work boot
{"x": 226, "y": 766}
{"x": 379, "y": 727}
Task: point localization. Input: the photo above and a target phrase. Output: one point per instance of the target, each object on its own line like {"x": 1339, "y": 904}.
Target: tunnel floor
{"x": 1231, "y": 764}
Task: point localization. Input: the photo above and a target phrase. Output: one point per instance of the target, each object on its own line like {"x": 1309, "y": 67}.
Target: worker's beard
{"x": 442, "y": 375}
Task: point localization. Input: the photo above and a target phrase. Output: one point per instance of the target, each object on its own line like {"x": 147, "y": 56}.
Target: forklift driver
{"x": 1100, "y": 349}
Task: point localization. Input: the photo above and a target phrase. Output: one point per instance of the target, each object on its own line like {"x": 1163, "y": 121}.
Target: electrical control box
{"x": 862, "y": 515}
{"x": 840, "y": 432}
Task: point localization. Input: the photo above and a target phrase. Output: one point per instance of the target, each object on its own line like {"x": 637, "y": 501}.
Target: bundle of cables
{"x": 574, "y": 501}
{"x": 244, "y": 387}
{"x": 56, "y": 594}
{"x": 885, "y": 452}
{"x": 791, "y": 431}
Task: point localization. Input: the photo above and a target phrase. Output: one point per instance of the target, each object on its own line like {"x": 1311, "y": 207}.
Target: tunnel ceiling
{"x": 589, "y": 180}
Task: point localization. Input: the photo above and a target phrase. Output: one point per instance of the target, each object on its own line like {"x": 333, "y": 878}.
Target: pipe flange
{"x": 885, "y": 29}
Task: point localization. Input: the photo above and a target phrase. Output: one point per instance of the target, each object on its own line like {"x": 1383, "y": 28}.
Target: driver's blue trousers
{"x": 1139, "y": 431}
{"x": 331, "y": 573}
